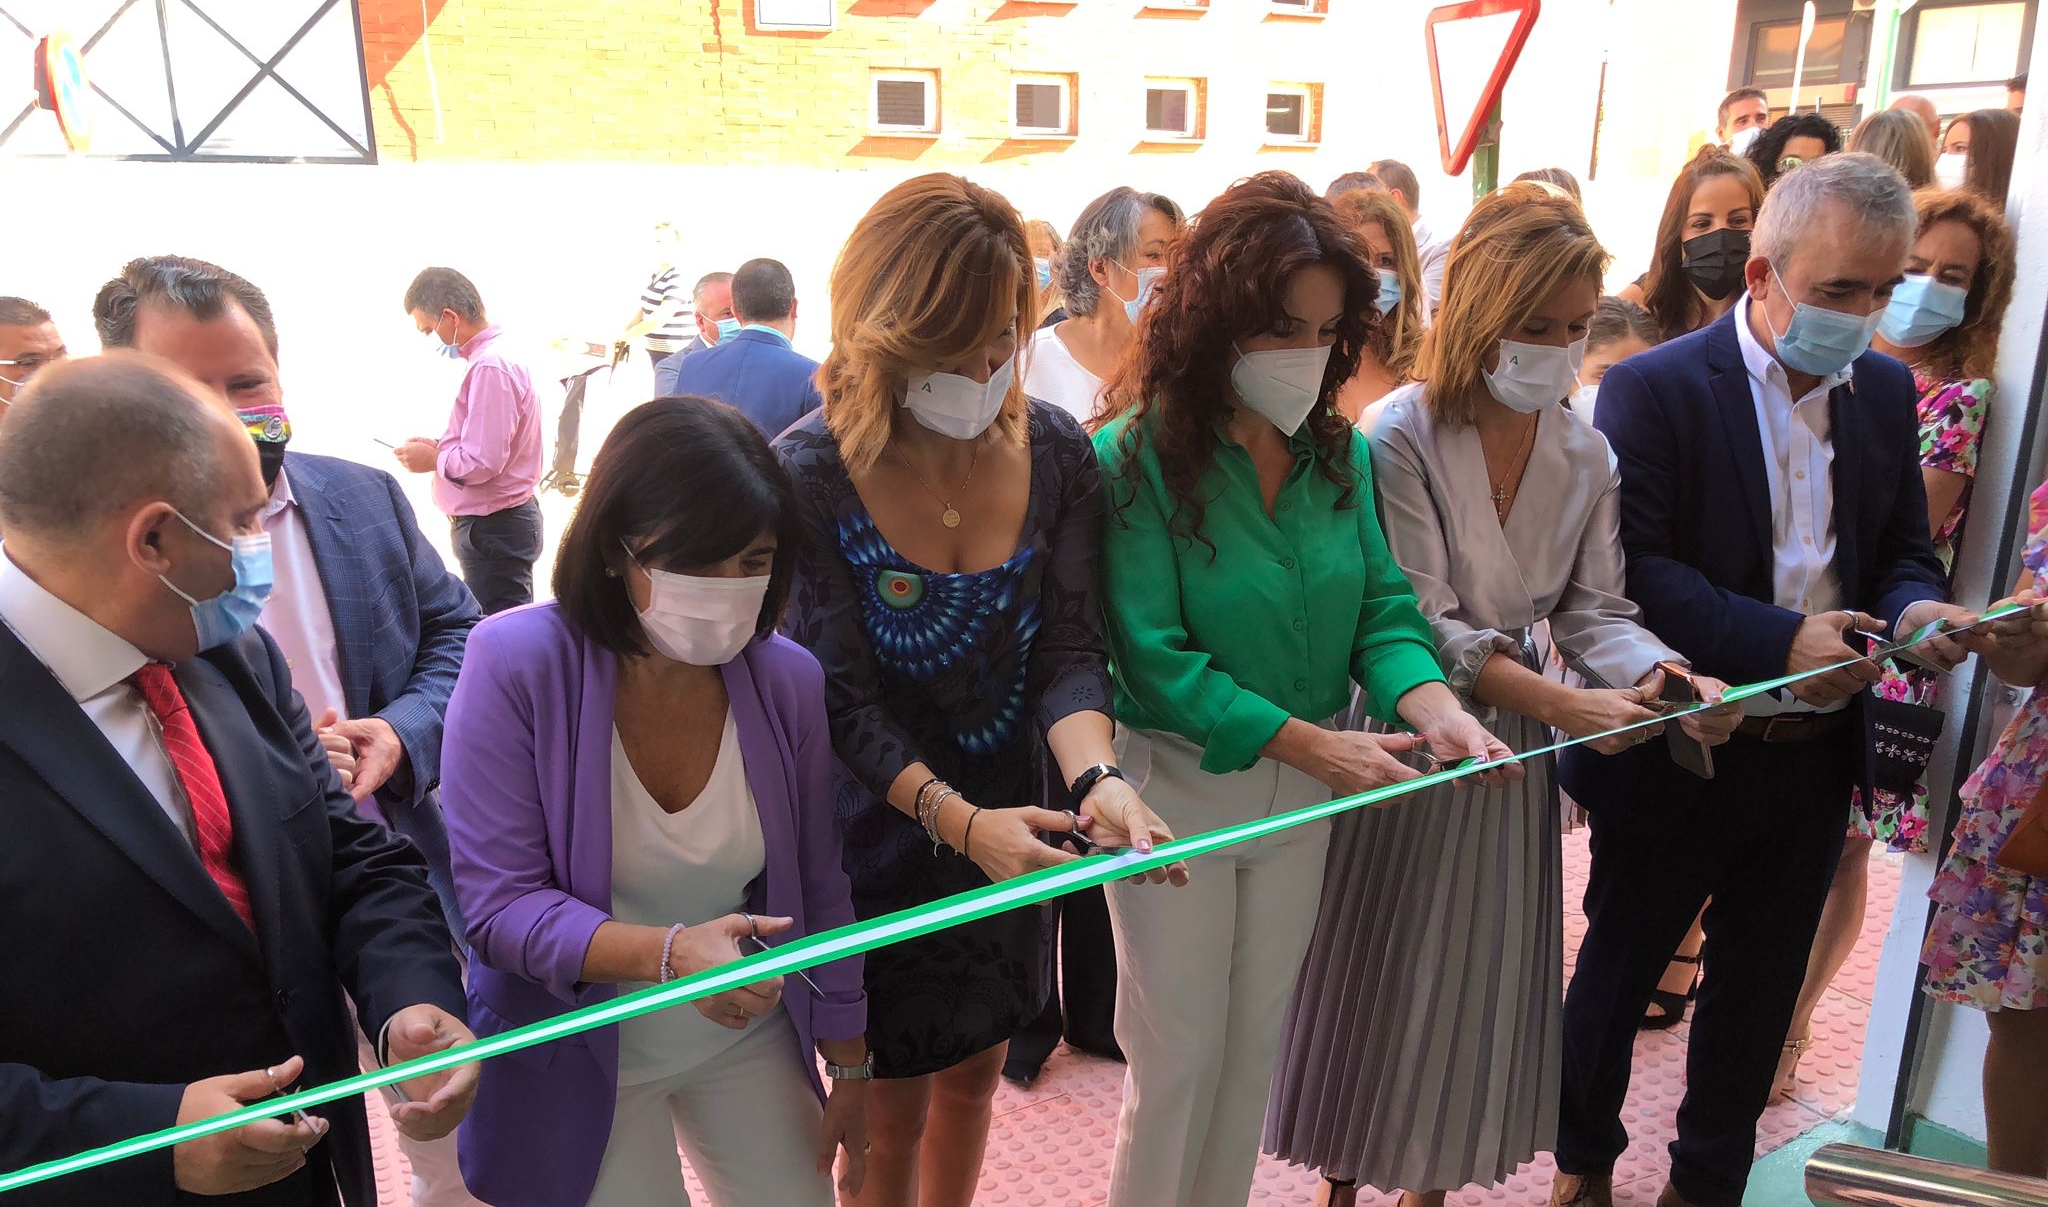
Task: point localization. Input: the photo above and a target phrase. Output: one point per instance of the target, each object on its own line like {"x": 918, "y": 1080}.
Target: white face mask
{"x": 957, "y": 406}
{"x": 701, "y": 621}
{"x": 1584, "y": 400}
{"x": 1282, "y": 384}
{"x": 1951, "y": 168}
{"x": 1743, "y": 140}
{"x": 1535, "y": 377}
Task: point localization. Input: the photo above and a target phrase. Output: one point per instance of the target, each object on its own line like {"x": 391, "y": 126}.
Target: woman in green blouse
{"x": 1246, "y": 587}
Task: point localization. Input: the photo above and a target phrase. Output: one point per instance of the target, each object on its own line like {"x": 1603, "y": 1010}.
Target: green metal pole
{"x": 1486, "y": 157}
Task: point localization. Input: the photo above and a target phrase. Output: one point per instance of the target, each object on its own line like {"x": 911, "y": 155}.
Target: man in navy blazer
{"x": 189, "y": 894}
{"x": 371, "y": 623}
{"x": 756, "y": 371}
{"x": 1771, "y": 505}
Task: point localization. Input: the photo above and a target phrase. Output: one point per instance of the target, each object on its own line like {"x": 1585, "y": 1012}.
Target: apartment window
{"x": 1965, "y": 44}
{"x": 1290, "y": 115}
{"x": 1176, "y": 5}
{"x": 794, "y": 14}
{"x": 1042, "y": 107}
{"x": 906, "y": 102}
{"x": 1774, "y": 51}
{"x": 1299, "y": 8}
{"x": 1173, "y": 109}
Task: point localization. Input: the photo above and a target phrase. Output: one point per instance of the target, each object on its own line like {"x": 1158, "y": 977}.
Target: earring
{"x": 610, "y": 573}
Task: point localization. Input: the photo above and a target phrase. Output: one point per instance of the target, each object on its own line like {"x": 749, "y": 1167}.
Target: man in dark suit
{"x": 189, "y": 892}
{"x": 711, "y": 303}
{"x": 371, "y": 623}
{"x": 757, "y": 370}
{"x": 1771, "y": 504}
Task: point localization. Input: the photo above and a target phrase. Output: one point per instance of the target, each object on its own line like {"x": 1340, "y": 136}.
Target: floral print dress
{"x": 1988, "y": 947}
{"x": 1951, "y": 427}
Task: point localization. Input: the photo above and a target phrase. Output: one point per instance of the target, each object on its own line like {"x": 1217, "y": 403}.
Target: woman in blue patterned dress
{"x": 948, "y": 586}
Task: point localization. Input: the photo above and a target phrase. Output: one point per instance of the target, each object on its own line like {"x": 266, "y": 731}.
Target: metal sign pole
{"x": 1486, "y": 157}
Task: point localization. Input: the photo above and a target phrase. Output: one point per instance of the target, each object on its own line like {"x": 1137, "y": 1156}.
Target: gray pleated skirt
{"x": 1423, "y": 1043}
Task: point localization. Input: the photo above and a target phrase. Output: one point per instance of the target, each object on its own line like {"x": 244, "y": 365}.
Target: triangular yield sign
{"x": 1473, "y": 46}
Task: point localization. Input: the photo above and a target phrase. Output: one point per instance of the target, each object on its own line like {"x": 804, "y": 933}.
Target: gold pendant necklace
{"x": 950, "y": 517}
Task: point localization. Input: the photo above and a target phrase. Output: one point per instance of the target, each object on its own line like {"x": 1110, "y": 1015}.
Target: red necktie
{"x": 211, "y": 823}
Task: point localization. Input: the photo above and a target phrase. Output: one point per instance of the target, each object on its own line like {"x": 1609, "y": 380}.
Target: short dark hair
{"x": 2017, "y": 83}
{"x": 438, "y": 289}
{"x": 1400, "y": 178}
{"x": 1744, "y": 93}
{"x": 88, "y": 437}
{"x": 1617, "y": 319}
{"x": 763, "y": 292}
{"x": 1769, "y": 147}
{"x": 20, "y": 312}
{"x": 199, "y": 289}
{"x": 689, "y": 482}
{"x": 1351, "y": 182}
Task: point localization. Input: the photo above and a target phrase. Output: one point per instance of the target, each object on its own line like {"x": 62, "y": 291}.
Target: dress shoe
{"x": 1590, "y": 1190}
{"x": 1671, "y": 1198}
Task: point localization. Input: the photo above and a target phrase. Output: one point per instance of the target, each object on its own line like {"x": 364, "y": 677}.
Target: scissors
{"x": 756, "y": 941}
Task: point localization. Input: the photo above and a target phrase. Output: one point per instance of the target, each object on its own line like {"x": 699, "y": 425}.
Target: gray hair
{"x": 705, "y": 282}
{"x": 1872, "y": 190}
{"x": 89, "y": 437}
{"x": 1106, "y": 230}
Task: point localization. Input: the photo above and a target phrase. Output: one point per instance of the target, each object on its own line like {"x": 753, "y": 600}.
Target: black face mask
{"x": 1715, "y": 260}
{"x": 270, "y": 455}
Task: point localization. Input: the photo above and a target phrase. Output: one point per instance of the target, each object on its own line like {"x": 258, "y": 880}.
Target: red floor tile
{"x": 1050, "y": 1145}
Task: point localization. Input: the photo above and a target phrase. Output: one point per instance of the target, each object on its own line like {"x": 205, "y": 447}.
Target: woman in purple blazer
{"x": 637, "y": 779}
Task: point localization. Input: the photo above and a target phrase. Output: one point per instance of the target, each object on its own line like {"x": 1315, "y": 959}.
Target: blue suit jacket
{"x": 124, "y": 976}
{"x": 1696, "y": 520}
{"x": 400, "y": 618}
{"x": 770, "y": 382}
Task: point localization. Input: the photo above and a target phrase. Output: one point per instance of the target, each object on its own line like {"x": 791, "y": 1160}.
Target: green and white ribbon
{"x": 860, "y": 937}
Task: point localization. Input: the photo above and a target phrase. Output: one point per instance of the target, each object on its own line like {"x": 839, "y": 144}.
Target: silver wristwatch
{"x": 864, "y": 1071}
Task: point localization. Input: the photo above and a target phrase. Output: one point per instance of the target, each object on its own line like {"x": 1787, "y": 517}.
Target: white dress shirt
{"x": 1799, "y": 458}
{"x": 296, "y": 616}
{"x": 94, "y": 666}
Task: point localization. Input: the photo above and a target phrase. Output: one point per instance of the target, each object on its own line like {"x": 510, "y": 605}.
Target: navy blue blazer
{"x": 1696, "y": 519}
{"x": 770, "y": 382}
{"x": 126, "y": 974}
{"x": 400, "y": 618}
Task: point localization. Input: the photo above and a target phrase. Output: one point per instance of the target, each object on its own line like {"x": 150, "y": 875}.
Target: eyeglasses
{"x": 25, "y": 369}
{"x": 1789, "y": 162}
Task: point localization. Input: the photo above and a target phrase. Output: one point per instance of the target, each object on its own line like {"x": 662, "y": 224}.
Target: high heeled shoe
{"x": 1671, "y": 1007}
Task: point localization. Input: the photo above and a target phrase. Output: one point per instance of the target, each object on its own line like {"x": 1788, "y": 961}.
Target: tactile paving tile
{"x": 1051, "y": 1143}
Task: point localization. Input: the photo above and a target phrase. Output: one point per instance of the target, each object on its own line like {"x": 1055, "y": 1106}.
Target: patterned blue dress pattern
{"x": 933, "y": 628}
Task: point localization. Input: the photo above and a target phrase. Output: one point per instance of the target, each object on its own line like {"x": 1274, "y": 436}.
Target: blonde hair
{"x": 1050, "y": 298}
{"x": 935, "y": 270}
{"x": 1900, "y": 139}
{"x": 1516, "y": 249}
{"x": 1399, "y": 337}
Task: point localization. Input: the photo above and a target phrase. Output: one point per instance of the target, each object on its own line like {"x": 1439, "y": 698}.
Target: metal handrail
{"x": 1864, "y": 1177}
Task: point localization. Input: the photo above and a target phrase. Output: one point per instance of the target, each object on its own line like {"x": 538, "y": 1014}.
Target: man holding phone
{"x": 1771, "y": 500}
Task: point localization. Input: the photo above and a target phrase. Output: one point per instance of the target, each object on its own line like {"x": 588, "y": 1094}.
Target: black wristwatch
{"x": 1087, "y": 780}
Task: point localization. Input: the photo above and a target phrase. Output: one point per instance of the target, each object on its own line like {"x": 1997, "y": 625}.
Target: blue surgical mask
{"x": 440, "y": 347}
{"x": 1921, "y": 309}
{"x": 1044, "y": 273}
{"x": 1390, "y": 291}
{"x": 1148, "y": 281}
{"x": 1820, "y": 342}
{"x": 727, "y": 328}
{"x": 228, "y": 615}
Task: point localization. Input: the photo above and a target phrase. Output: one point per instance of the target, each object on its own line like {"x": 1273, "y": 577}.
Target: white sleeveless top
{"x": 687, "y": 867}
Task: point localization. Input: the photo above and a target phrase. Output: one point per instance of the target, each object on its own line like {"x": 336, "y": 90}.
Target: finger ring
{"x": 753, "y": 927}
{"x": 868, "y": 1147}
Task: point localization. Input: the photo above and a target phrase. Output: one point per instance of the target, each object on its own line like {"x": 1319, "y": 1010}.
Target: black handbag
{"x": 1905, "y": 735}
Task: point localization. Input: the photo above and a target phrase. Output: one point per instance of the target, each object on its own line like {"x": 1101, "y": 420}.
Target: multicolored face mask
{"x": 271, "y": 429}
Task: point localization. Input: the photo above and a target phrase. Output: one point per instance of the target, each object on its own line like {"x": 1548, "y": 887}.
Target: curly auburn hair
{"x": 1970, "y": 348}
{"x": 1227, "y": 281}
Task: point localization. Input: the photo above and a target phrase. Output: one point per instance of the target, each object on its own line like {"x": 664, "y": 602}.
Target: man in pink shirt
{"x": 486, "y": 465}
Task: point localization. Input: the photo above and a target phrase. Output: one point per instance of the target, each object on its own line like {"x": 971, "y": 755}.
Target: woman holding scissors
{"x": 1423, "y": 1043}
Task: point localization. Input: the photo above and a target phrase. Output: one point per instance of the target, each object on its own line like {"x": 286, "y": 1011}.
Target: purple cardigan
{"x": 526, "y": 776}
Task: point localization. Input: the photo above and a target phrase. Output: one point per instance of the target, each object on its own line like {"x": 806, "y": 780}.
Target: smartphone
{"x": 1681, "y": 692}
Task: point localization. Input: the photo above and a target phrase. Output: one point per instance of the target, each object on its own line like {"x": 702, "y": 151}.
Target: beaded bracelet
{"x": 931, "y": 818}
{"x": 667, "y": 973}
